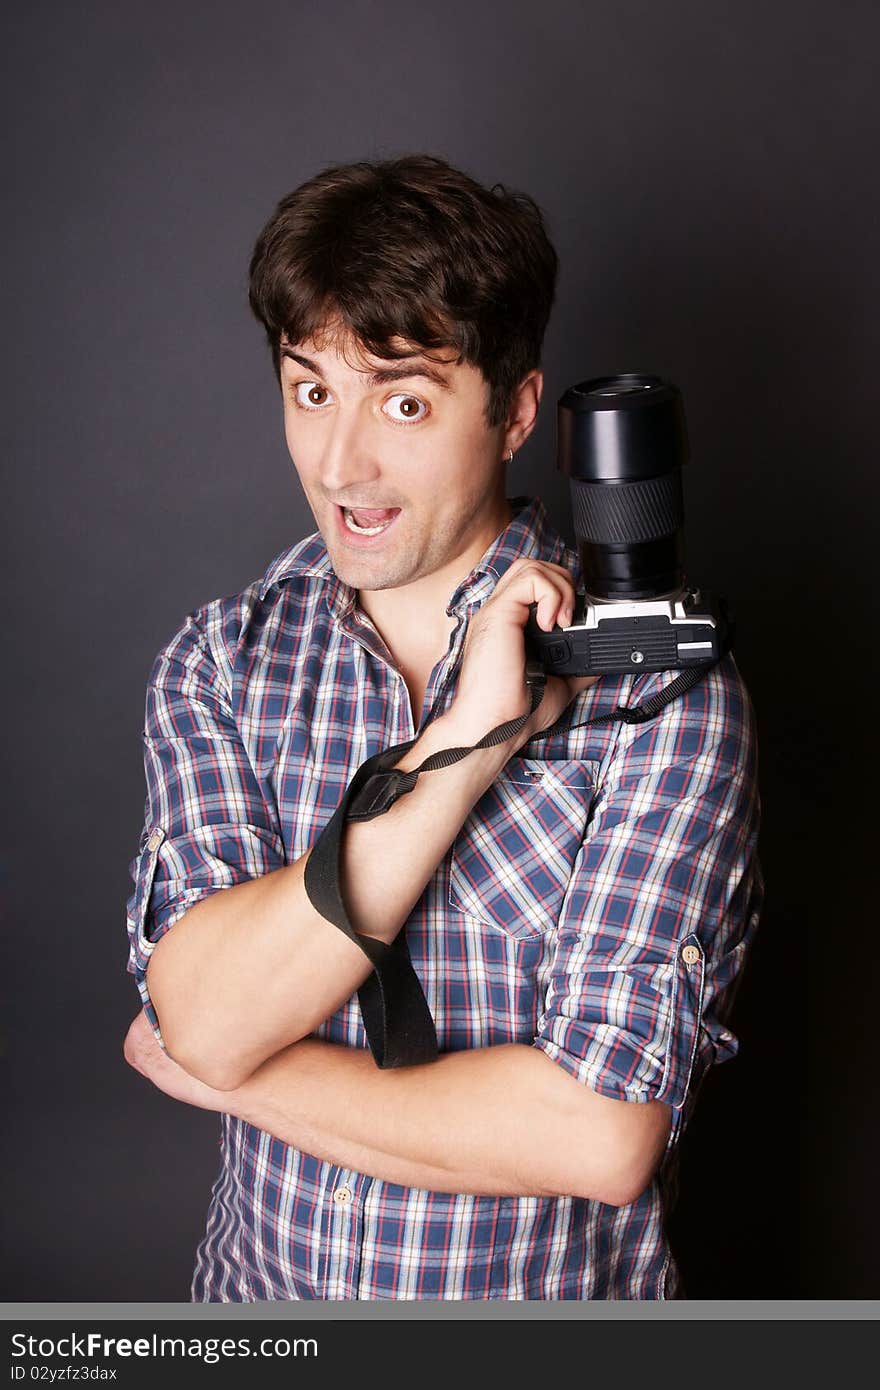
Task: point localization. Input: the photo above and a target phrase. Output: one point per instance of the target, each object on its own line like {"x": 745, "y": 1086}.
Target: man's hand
{"x": 491, "y": 685}
{"x": 142, "y": 1051}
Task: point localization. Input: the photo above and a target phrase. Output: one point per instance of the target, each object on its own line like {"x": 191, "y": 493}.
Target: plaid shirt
{"x": 597, "y": 903}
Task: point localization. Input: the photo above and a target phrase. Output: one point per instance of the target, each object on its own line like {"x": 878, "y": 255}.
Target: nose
{"x": 349, "y": 456}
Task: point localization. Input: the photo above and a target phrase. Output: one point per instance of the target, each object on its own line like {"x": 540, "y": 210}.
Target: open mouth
{"x": 368, "y": 521}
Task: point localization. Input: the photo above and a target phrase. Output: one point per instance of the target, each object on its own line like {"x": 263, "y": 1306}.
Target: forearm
{"x": 499, "y": 1121}
{"x": 253, "y": 968}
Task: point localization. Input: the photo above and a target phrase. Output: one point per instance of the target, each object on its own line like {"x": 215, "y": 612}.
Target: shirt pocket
{"x": 513, "y": 857}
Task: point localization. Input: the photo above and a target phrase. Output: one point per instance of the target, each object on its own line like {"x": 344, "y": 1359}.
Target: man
{"x": 576, "y": 907}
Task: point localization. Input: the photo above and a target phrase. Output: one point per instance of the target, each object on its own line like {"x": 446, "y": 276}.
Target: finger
{"x": 552, "y": 609}
{"x": 527, "y": 561}
{"x": 539, "y": 569}
{"x": 552, "y": 591}
{"x": 527, "y": 565}
{"x": 132, "y": 1038}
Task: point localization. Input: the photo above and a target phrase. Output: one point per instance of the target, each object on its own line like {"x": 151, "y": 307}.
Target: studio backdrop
{"x": 706, "y": 171}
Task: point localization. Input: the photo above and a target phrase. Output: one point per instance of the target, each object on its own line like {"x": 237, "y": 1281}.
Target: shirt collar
{"x": 528, "y": 535}
{"x": 307, "y": 559}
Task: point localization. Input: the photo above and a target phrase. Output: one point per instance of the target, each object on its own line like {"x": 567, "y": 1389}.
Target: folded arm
{"x": 500, "y": 1120}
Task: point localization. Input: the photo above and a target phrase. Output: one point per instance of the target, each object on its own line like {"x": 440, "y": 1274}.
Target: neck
{"x": 412, "y": 619}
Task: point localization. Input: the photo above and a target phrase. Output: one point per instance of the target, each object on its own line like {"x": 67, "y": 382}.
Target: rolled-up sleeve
{"x": 206, "y": 823}
{"x": 662, "y": 904}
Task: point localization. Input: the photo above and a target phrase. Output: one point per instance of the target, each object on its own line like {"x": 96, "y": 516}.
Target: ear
{"x": 523, "y": 411}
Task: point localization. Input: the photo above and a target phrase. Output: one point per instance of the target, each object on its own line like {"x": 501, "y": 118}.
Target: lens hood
{"x": 622, "y": 428}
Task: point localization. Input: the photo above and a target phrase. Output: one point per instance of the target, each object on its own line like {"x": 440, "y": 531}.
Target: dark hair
{"x": 413, "y": 249}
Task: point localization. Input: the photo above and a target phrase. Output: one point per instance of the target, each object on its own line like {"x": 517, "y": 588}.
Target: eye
{"x": 404, "y": 409}
{"x": 310, "y": 395}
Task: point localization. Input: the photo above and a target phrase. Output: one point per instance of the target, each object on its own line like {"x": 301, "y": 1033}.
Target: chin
{"x": 370, "y": 579}
{"x": 359, "y": 572}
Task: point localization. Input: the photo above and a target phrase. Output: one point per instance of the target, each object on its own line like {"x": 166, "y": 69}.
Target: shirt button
{"x": 156, "y": 838}
{"x": 690, "y": 955}
{"x": 342, "y": 1195}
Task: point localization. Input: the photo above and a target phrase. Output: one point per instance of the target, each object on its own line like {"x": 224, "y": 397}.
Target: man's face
{"x": 403, "y": 474}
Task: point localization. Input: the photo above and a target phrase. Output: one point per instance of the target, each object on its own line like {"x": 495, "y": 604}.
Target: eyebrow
{"x": 384, "y": 374}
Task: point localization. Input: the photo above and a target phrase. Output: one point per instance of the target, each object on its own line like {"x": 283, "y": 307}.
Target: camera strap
{"x": 398, "y": 1023}
{"x": 397, "y": 1020}
{"x": 638, "y": 714}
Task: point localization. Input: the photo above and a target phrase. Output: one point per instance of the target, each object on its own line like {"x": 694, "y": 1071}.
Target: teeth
{"x": 364, "y": 530}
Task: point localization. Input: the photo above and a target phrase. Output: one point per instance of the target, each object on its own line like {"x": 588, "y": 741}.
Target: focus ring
{"x": 617, "y": 513}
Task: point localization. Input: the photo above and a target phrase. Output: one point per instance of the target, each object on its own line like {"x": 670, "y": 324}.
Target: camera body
{"x": 619, "y": 638}
{"x": 623, "y": 441}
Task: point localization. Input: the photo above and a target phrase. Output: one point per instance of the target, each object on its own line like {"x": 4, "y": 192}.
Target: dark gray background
{"x": 707, "y": 173}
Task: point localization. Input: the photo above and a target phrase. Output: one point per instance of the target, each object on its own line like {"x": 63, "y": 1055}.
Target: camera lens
{"x": 621, "y": 385}
{"x": 622, "y": 440}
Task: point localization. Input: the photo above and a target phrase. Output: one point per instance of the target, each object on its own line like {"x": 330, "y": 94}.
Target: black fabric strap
{"x": 637, "y": 714}
{"x": 398, "y": 1023}
{"x": 400, "y": 1029}
{"x": 397, "y": 1020}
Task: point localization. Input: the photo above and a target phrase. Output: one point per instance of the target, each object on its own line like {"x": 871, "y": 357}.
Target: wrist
{"x": 461, "y": 728}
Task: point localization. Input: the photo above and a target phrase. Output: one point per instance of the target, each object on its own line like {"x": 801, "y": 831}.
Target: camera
{"x": 622, "y": 441}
